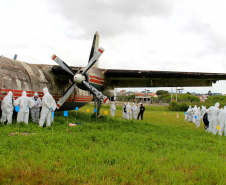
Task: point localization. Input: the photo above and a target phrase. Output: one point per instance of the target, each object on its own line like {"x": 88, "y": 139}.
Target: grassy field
{"x": 161, "y": 149}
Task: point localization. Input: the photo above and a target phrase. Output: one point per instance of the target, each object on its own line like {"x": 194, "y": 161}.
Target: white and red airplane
{"x": 75, "y": 86}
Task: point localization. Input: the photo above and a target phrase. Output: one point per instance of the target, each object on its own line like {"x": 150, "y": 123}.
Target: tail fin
{"x": 94, "y": 48}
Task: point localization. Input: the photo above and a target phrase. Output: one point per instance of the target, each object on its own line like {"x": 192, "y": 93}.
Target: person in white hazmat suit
{"x": 7, "y": 108}
{"x": 134, "y": 111}
{"x": 36, "y": 109}
{"x": 214, "y": 112}
{"x": 124, "y": 111}
{"x": 47, "y": 107}
{"x": 113, "y": 109}
{"x": 197, "y": 115}
{"x": 193, "y": 113}
{"x": 203, "y": 111}
{"x": 222, "y": 122}
{"x": 189, "y": 113}
{"x": 219, "y": 119}
{"x": 24, "y": 103}
{"x": 129, "y": 112}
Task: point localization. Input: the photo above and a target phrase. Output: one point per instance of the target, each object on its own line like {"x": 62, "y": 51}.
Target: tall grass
{"x": 161, "y": 149}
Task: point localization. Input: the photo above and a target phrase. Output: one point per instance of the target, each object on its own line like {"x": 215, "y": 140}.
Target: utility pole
{"x": 171, "y": 94}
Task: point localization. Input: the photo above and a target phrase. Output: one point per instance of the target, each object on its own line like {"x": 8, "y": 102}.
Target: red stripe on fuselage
{"x": 91, "y": 76}
{"x": 96, "y": 81}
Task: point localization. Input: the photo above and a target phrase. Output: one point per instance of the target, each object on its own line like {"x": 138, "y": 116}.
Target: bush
{"x": 174, "y": 106}
{"x": 184, "y": 106}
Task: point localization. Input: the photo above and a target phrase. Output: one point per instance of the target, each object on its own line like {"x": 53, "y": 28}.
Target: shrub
{"x": 174, "y": 106}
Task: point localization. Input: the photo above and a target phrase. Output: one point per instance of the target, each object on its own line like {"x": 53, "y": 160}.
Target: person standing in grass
{"x": 7, "y": 108}
{"x": 113, "y": 109}
{"x": 36, "y": 109}
{"x": 48, "y": 104}
{"x": 213, "y": 122}
{"x": 124, "y": 111}
{"x": 189, "y": 114}
{"x": 141, "y": 112}
{"x": 24, "y": 103}
{"x": 134, "y": 111}
{"x": 129, "y": 113}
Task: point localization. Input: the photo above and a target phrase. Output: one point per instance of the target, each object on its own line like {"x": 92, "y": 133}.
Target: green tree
{"x": 162, "y": 93}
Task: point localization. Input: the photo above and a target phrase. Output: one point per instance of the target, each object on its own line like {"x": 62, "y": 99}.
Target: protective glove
{"x": 51, "y": 108}
{"x": 27, "y": 107}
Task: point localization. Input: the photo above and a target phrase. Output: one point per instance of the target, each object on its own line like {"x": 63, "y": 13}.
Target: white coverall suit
{"x": 7, "y": 108}
{"x": 193, "y": 113}
{"x": 123, "y": 112}
{"x": 222, "y": 122}
{"x": 36, "y": 109}
{"x": 203, "y": 111}
{"x": 113, "y": 109}
{"x": 47, "y": 108}
{"x": 197, "y": 115}
{"x": 134, "y": 111}
{"x": 214, "y": 112}
{"x": 129, "y": 112}
{"x": 189, "y": 113}
{"x": 24, "y": 103}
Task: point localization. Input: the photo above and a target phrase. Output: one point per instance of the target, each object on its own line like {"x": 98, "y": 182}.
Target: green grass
{"x": 161, "y": 149}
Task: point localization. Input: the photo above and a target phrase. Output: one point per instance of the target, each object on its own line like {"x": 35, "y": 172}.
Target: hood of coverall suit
{"x": 24, "y": 93}
{"x": 217, "y": 105}
{"x": 45, "y": 90}
{"x": 10, "y": 94}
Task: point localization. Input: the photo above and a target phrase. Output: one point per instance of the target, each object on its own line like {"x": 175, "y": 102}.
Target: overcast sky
{"x": 165, "y": 35}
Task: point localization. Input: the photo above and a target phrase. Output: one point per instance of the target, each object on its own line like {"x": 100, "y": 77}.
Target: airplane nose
{"x": 78, "y": 78}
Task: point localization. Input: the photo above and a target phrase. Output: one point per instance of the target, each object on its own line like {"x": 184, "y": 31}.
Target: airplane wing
{"x": 115, "y": 78}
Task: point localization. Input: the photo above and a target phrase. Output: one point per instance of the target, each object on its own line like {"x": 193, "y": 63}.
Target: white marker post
{"x": 17, "y": 108}
{"x": 66, "y": 114}
{"x": 106, "y": 113}
{"x": 89, "y": 114}
{"x": 52, "y": 124}
{"x": 76, "y": 110}
{"x": 95, "y": 110}
{"x": 218, "y": 128}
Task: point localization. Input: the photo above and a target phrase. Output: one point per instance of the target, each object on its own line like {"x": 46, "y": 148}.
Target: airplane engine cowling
{"x": 108, "y": 93}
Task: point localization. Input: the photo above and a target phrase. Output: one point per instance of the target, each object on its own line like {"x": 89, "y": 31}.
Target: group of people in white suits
{"x": 214, "y": 118}
{"x": 26, "y": 104}
{"x": 130, "y": 112}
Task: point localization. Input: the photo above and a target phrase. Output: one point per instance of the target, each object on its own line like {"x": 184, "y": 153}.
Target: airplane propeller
{"x": 79, "y": 78}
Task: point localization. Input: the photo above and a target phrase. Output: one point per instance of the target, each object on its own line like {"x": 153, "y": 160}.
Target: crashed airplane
{"x": 75, "y": 86}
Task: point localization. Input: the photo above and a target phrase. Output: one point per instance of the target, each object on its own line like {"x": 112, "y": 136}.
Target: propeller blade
{"x": 93, "y": 60}
{"x": 95, "y": 92}
{"x": 65, "y": 95}
{"x": 62, "y": 64}
{"x": 92, "y": 48}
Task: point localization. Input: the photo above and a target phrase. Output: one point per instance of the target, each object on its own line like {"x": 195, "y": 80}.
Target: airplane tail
{"x": 94, "y": 48}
